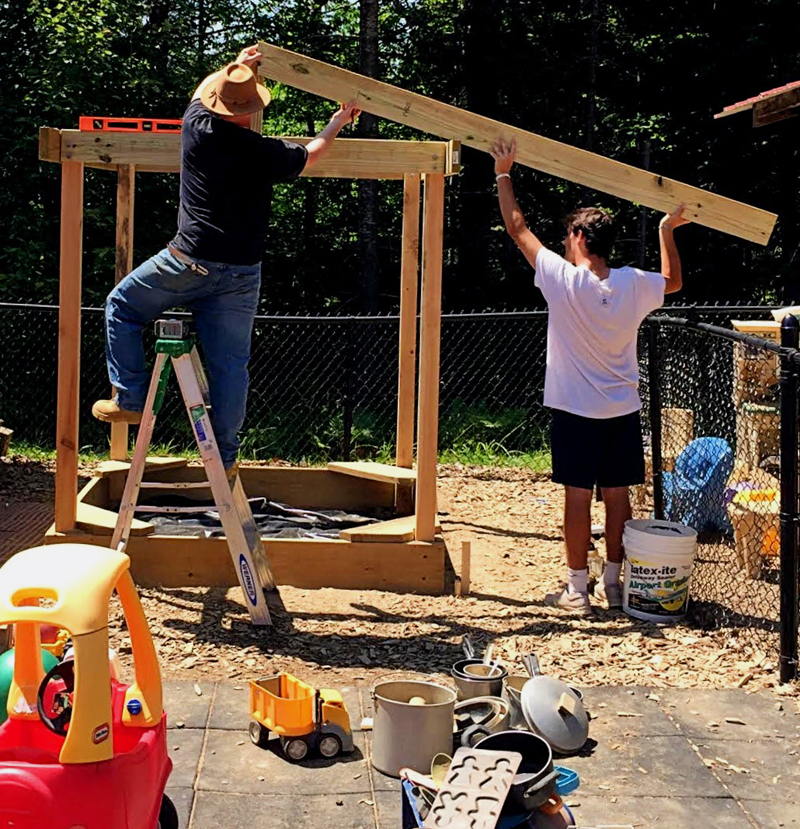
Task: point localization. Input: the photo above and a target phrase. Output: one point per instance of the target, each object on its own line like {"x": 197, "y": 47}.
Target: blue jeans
{"x": 223, "y": 305}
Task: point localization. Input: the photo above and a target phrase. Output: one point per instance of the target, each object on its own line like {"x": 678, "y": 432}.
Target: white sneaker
{"x": 609, "y": 594}
{"x": 577, "y": 603}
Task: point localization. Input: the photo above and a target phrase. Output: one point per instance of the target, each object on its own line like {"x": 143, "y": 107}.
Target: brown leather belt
{"x": 193, "y": 266}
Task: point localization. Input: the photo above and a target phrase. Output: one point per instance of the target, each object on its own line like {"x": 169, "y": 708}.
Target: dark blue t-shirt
{"x": 227, "y": 173}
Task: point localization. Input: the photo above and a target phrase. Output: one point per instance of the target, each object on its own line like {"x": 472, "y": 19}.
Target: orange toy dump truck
{"x": 301, "y": 716}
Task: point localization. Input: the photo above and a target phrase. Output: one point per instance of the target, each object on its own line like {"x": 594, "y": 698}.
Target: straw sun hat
{"x": 235, "y": 91}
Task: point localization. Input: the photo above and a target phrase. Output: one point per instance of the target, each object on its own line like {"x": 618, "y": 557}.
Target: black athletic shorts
{"x": 603, "y": 451}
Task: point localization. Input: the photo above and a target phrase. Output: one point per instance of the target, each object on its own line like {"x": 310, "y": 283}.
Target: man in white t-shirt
{"x": 592, "y": 377}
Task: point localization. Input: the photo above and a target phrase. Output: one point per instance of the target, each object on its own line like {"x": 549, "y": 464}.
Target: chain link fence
{"x": 324, "y": 388}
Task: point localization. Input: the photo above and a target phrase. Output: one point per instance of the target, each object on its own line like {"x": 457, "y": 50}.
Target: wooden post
{"x": 466, "y": 563}
{"x": 409, "y": 274}
{"x": 69, "y": 345}
{"x": 430, "y": 329}
{"x": 126, "y": 174}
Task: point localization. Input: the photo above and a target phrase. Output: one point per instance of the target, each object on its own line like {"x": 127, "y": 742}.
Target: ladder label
{"x": 248, "y": 582}
{"x": 198, "y": 413}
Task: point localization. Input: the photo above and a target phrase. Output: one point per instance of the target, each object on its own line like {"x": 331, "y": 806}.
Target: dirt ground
{"x": 339, "y": 637}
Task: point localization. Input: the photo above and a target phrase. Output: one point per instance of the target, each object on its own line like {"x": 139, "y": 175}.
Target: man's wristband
{"x": 502, "y": 175}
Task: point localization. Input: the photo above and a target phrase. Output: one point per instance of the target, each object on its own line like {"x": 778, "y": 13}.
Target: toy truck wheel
{"x": 295, "y": 749}
{"x": 168, "y": 816}
{"x": 329, "y": 745}
{"x": 258, "y": 734}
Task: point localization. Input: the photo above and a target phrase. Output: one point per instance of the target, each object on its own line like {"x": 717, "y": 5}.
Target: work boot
{"x": 232, "y": 473}
{"x": 110, "y": 412}
{"x": 609, "y": 594}
{"x": 576, "y": 603}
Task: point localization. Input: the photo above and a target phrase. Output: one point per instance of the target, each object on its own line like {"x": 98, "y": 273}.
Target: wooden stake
{"x": 409, "y": 275}
{"x": 69, "y": 346}
{"x": 466, "y": 561}
{"x": 126, "y": 175}
{"x": 430, "y": 330}
{"x": 545, "y": 154}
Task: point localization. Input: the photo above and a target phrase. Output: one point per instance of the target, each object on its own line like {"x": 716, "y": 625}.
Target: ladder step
{"x": 375, "y": 471}
{"x": 181, "y": 485}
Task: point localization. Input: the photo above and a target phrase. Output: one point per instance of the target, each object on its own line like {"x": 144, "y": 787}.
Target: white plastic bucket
{"x": 659, "y": 557}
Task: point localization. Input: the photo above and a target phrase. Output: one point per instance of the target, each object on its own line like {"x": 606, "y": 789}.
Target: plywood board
{"x": 178, "y": 561}
{"x": 374, "y": 471}
{"x": 160, "y": 152}
{"x": 99, "y": 521}
{"x": 545, "y": 154}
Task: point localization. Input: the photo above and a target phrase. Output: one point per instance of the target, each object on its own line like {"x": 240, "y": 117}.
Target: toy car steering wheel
{"x": 58, "y": 718}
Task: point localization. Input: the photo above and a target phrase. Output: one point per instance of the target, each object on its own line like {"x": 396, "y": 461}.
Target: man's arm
{"x": 670, "y": 260}
{"x": 321, "y": 143}
{"x": 504, "y": 154}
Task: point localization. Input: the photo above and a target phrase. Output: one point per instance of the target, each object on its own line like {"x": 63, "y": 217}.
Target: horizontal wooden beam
{"x": 545, "y": 154}
{"x": 777, "y": 108}
{"x": 160, "y": 153}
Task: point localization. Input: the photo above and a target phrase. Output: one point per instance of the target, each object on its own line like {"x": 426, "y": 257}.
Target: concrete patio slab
{"x": 184, "y": 705}
{"x": 232, "y": 763}
{"x": 183, "y": 799}
{"x": 651, "y": 812}
{"x": 230, "y": 709}
{"x": 241, "y": 811}
{"x": 638, "y": 766}
{"x": 764, "y": 770}
{"x": 184, "y": 749}
{"x": 621, "y": 712}
{"x": 693, "y": 710}
{"x": 772, "y": 814}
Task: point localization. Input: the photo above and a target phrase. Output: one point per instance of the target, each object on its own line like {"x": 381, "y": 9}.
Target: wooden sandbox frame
{"x": 406, "y": 554}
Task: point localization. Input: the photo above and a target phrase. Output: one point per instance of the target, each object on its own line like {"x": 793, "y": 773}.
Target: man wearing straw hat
{"x": 213, "y": 264}
{"x": 592, "y": 376}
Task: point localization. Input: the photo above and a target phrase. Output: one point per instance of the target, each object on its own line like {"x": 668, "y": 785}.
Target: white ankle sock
{"x": 611, "y": 572}
{"x": 578, "y": 580}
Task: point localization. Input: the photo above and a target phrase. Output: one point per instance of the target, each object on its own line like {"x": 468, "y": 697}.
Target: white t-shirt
{"x": 592, "y": 366}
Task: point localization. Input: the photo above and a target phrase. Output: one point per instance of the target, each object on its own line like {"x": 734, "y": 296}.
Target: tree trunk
{"x": 478, "y": 209}
{"x": 368, "y": 195}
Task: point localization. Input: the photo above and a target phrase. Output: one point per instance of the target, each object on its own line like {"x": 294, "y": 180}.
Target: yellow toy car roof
{"x": 78, "y": 578}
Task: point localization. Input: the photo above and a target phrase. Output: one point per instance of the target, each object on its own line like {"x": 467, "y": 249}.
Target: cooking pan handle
{"x": 543, "y": 783}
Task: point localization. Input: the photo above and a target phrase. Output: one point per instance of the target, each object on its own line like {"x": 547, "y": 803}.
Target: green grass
{"x": 474, "y": 454}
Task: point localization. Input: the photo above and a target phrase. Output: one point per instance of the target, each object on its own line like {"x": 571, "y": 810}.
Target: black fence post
{"x": 654, "y": 385}
{"x": 790, "y": 338}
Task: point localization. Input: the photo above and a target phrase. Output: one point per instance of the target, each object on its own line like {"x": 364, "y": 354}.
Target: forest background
{"x": 638, "y": 82}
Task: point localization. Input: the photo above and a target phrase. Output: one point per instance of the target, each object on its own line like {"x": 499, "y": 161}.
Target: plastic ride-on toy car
{"x": 80, "y": 750}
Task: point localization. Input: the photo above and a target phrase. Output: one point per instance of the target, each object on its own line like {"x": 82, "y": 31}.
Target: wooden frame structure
{"x": 406, "y": 553}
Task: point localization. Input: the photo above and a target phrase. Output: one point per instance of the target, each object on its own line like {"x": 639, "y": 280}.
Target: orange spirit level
{"x": 92, "y": 123}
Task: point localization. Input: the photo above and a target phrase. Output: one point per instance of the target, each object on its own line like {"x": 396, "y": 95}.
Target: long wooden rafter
{"x": 361, "y": 158}
{"x": 544, "y": 154}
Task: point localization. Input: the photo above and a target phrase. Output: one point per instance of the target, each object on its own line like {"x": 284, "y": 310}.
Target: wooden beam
{"x": 347, "y": 158}
{"x": 126, "y": 177}
{"x": 69, "y": 346}
{"x": 374, "y": 471}
{"x": 183, "y": 561}
{"x": 49, "y": 144}
{"x": 776, "y": 108}
{"x": 409, "y": 276}
{"x": 396, "y": 531}
{"x": 562, "y": 160}
{"x": 430, "y": 330}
